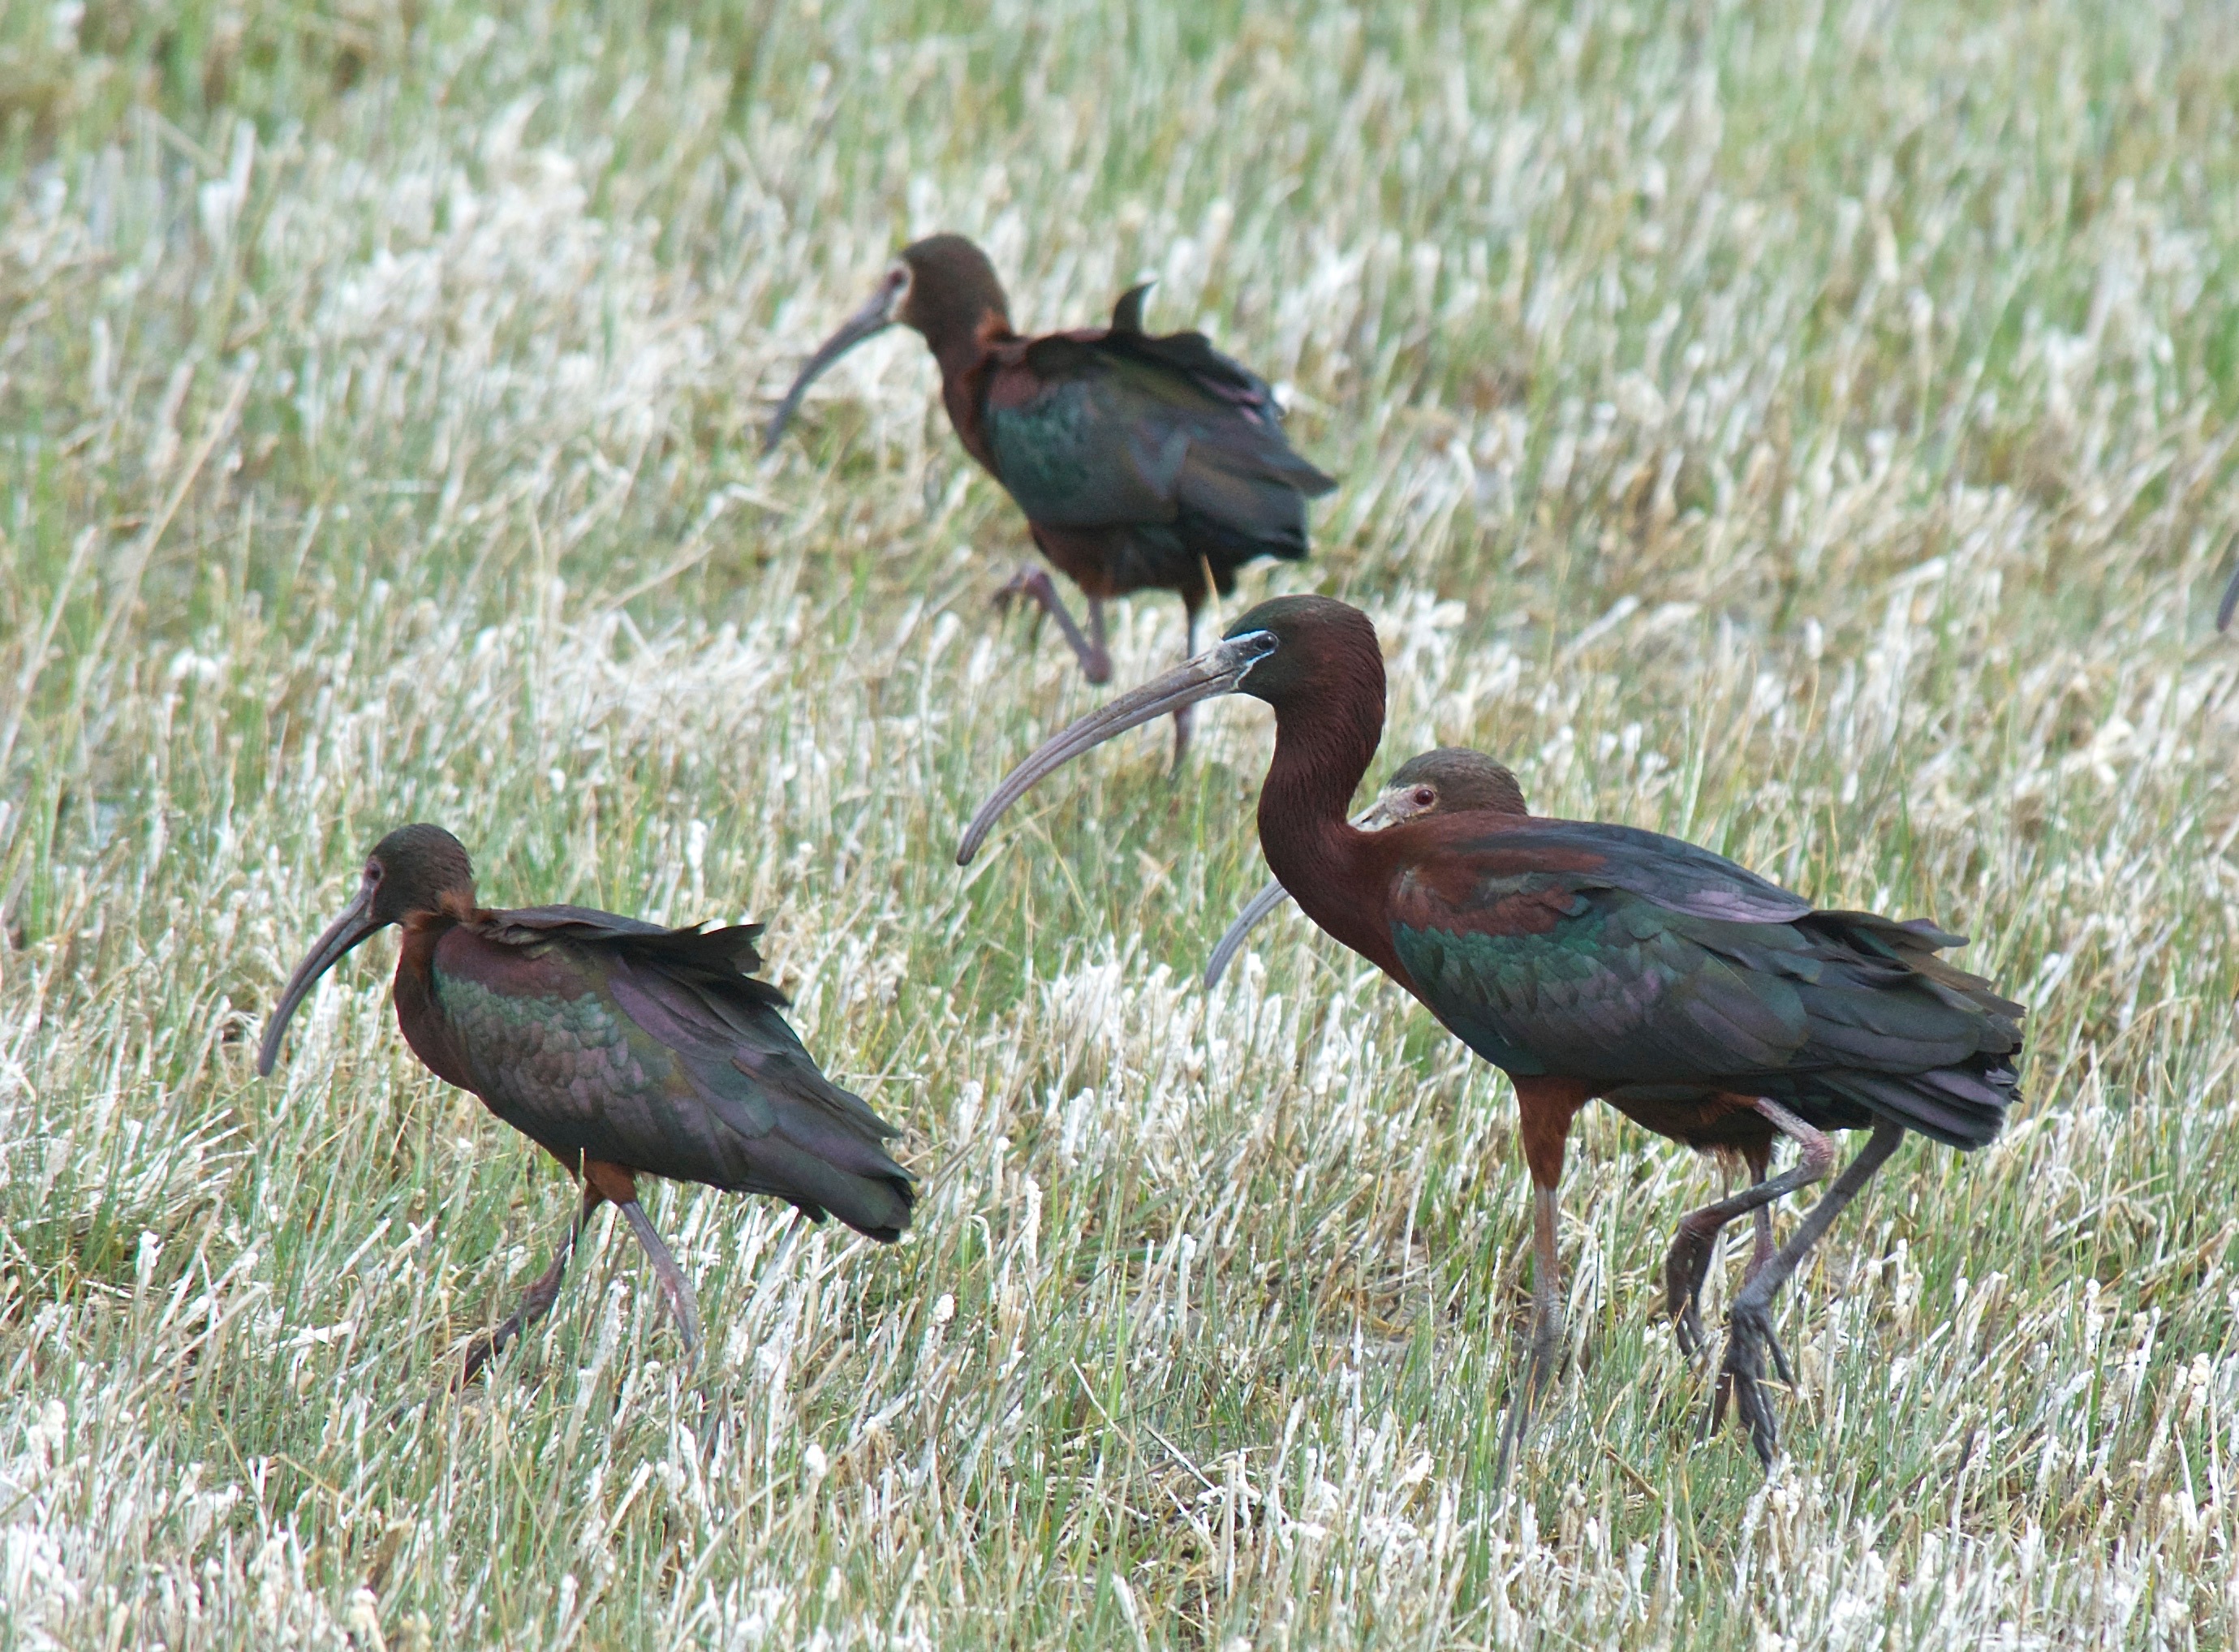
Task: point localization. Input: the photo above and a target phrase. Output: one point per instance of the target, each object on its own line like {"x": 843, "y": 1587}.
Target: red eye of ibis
{"x": 1424, "y": 797}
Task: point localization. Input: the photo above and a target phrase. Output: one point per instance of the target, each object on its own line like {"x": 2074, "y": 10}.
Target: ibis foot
{"x": 1688, "y": 1261}
{"x": 534, "y": 1303}
{"x": 673, "y": 1285}
{"x": 1539, "y": 1376}
{"x": 1749, "y": 1329}
{"x": 1762, "y": 1251}
{"x": 1741, "y": 1378}
{"x": 1035, "y": 586}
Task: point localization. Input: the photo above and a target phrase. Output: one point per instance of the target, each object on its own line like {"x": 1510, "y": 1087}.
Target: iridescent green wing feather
{"x": 1631, "y": 959}
{"x": 1089, "y": 431}
{"x": 649, "y": 1048}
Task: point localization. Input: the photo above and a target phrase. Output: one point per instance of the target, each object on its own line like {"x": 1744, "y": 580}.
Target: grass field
{"x": 1806, "y": 427}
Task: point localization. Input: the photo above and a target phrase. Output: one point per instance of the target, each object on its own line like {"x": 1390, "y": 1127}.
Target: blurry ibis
{"x": 621, "y": 1048}
{"x": 1589, "y": 960}
{"x": 1142, "y": 462}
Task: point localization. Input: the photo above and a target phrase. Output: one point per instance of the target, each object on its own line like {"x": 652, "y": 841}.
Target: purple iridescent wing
{"x": 650, "y": 1048}
{"x": 1631, "y": 959}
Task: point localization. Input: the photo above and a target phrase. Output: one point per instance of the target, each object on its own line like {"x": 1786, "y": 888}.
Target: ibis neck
{"x": 967, "y": 358}
{"x": 419, "y": 1007}
{"x": 1321, "y": 751}
{"x": 961, "y": 347}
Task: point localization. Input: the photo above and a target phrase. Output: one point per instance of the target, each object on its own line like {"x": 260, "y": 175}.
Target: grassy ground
{"x": 1804, "y": 426}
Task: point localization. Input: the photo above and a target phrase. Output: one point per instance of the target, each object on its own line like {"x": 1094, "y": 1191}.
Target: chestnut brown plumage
{"x": 1142, "y": 462}
{"x": 1454, "y": 780}
{"x": 621, "y": 1048}
{"x": 1446, "y": 779}
{"x": 1594, "y": 961}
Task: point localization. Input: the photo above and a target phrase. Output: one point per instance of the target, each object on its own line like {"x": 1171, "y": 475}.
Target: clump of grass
{"x": 1804, "y": 429}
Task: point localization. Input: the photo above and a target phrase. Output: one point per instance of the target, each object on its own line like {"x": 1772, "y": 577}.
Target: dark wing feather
{"x": 648, "y": 1047}
{"x": 1631, "y": 960}
{"x": 1099, "y": 429}
{"x": 723, "y": 952}
{"x": 1668, "y": 873}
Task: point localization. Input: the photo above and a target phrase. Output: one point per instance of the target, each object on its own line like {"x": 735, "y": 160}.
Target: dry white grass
{"x": 1803, "y": 426}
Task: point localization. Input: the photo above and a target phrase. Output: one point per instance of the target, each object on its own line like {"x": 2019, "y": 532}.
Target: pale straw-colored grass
{"x": 1805, "y": 427}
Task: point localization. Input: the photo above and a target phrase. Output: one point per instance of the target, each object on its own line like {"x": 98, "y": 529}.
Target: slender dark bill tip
{"x": 346, "y": 932}
{"x": 1218, "y": 670}
{"x": 871, "y": 318}
{"x": 1374, "y": 819}
{"x": 2230, "y": 606}
{"x": 1232, "y": 940}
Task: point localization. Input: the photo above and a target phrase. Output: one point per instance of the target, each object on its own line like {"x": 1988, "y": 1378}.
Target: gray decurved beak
{"x": 2230, "y": 606}
{"x": 356, "y": 923}
{"x": 1374, "y": 819}
{"x": 875, "y": 317}
{"x": 1218, "y": 670}
{"x": 1232, "y": 942}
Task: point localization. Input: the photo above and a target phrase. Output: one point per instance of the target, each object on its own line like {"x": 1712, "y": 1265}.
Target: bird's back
{"x": 652, "y": 1048}
{"x": 1155, "y": 458}
{"x": 1658, "y": 971}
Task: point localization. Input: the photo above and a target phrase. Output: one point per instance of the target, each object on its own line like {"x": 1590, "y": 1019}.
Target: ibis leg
{"x": 673, "y": 1285}
{"x": 1546, "y": 1290}
{"x": 1546, "y": 1327}
{"x": 1098, "y": 667}
{"x": 1762, "y": 1250}
{"x": 1750, "y": 1320}
{"x": 1761, "y": 1245}
{"x": 1687, "y": 1264}
{"x": 538, "y": 1301}
{"x": 1689, "y": 1259}
{"x": 1035, "y": 584}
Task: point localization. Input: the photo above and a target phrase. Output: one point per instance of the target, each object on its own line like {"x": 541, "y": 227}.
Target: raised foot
{"x": 536, "y": 1303}
{"x": 1685, "y": 1266}
{"x": 1030, "y": 584}
{"x": 1033, "y": 584}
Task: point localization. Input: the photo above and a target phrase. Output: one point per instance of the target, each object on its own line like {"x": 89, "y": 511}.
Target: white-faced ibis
{"x": 1142, "y": 462}
{"x": 1589, "y": 960}
{"x": 619, "y": 1047}
{"x": 1454, "y": 780}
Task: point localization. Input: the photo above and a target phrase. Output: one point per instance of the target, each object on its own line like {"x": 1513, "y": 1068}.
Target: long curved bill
{"x": 354, "y": 925}
{"x": 1218, "y": 670}
{"x": 875, "y": 317}
{"x": 1232, "y": 942}
{"x": 1374, "y": 819}
{"x": 2230, "y": 606}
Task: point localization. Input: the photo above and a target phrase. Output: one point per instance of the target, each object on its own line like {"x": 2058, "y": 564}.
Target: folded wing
{"x": 653, "y": 1048}
{"x": 1101, "y": 428}
{"x": 1644, "y": 963}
